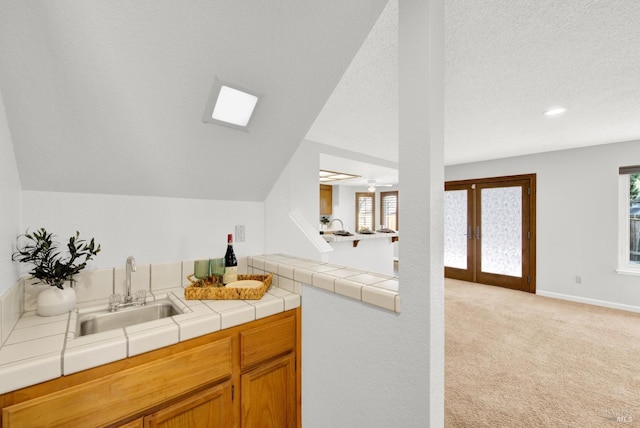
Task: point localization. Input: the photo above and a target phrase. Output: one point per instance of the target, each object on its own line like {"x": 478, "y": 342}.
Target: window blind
{"x": 364, "y": 210}
{"x": 389, "y": 210}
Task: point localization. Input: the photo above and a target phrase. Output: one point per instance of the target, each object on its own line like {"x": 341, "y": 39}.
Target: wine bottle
{"x": 230, "y": 263}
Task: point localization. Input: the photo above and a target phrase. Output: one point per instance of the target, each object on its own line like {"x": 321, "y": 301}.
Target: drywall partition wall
{"x": 577, "y": 219}
{"x": 295, "y": 191}
{"x": 368, "y": 367}
{"x": 152, "y": 229}
{"x": 10, "y": 201}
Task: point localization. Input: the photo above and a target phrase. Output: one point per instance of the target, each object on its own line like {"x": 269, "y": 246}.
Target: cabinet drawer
{"x": 125, "y": 393}
{"x": 259, "y": 343}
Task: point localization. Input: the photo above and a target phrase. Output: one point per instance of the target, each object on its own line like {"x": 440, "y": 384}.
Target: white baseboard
{"x": 588, "y": 301}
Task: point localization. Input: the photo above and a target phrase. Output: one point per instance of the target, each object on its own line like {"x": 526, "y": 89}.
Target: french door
{"x": 490, "y": 231}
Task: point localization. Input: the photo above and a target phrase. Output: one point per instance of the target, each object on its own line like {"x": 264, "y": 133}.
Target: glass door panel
{"x": 501, "y": 243}
{"x": 459, "y": 248}
{"x": 455, "y": 229}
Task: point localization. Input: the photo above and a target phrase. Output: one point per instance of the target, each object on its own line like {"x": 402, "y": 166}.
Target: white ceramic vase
{"x": 54, "y": 301}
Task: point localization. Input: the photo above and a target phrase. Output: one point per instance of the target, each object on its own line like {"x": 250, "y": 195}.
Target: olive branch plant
{"x": 53, "y": 265}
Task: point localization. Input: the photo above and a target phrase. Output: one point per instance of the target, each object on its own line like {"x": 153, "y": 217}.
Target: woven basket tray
{"x": 208, "y": 289}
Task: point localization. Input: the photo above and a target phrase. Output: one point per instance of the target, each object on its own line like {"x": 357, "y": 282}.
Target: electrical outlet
{"x": 240, "y": 233}
{"x": 578, "y": 279}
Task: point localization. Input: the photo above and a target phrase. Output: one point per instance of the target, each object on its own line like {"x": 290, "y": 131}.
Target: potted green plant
{"x": 54, "y": 266}
{"x": 325, "y": 221}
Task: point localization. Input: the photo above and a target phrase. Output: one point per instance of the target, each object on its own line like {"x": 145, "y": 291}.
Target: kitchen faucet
{"x": 117, "y": 302}
{"x": 341, "y": 224}
{"x": 130, "y": 267}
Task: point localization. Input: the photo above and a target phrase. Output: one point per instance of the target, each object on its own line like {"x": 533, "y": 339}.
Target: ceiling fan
{"x": 372, "y": 185}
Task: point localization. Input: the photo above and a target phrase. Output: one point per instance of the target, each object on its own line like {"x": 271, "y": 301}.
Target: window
{"x": 389, "y": 210}
{"x": 365, "y": 210}
{"x": 629, "y": 220}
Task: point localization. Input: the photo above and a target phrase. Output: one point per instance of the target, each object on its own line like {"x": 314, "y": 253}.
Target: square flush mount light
{"x": 230, "y": 106}
{"x": 234, "y": 106}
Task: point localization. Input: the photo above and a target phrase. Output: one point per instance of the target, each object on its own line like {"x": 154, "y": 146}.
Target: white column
{"x": 421, "y": 116}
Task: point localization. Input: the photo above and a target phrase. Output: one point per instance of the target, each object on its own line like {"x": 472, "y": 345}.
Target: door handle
{"x": 470, "y": 232}
{"x": 477, "y": 232}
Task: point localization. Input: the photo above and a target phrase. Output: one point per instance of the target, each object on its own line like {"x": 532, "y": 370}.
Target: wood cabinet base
{"x": 243, "y": 376}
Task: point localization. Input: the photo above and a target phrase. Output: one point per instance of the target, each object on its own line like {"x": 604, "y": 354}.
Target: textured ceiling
{"x": 507, "y": 62}
{"x": 108, "y": 96}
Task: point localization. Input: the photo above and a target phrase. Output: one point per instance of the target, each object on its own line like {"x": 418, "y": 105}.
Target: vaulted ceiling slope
{"x": 108, "y": 96}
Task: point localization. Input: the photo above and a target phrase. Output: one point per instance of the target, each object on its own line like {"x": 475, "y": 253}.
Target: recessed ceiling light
{"x": 556, "y": 111}
{"x": 234, "y": 106}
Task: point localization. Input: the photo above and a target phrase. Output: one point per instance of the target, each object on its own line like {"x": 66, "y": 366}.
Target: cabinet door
{"x": 269, "y": 395}
{"x": 209, "y": 408}
{"x": 326, "y": 199}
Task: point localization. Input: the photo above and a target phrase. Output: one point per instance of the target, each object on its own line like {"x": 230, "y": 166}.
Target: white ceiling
{"x": 507, "y": 61}
{"x": 108, "y": 96}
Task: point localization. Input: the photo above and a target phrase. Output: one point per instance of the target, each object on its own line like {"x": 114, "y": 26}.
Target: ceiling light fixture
{"x": 230, "y": 105}
{"x": 326, "y": 176}
{"x": 556, "y": 111}
{"x": 373, "y": 184}
{"x": 234, "y": 106}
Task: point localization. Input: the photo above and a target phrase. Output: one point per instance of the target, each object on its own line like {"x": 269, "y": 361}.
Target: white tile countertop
{"x": 38, "y": 349}
{"x": 44, "y": 348}
{"x": 368, "y": 287}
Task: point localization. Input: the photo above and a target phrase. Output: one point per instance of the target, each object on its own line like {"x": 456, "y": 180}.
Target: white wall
{"x": 10, "y": 201}
{"x": 295, "y": 190}
{"x": 364, "y": 366}
{"x": 152, "y": 229}
{"x": 577, "y": 219}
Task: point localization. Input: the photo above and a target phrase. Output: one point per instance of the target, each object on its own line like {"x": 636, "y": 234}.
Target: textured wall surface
{"x": 152, "y": 229}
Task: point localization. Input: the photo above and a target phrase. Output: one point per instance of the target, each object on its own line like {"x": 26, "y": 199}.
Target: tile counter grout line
{"x": 179, "y": 330}
{"x": 126, "y": 336}
{"x": 64, "y": 344}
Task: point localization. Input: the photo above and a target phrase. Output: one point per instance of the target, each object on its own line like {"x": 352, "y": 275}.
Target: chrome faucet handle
{"x": 141, "y": 296}
{"x": 114, "y": 301}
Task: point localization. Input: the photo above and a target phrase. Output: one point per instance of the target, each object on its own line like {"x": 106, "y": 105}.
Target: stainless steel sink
{"x": 342, "y": 233}
{"x": 99, "y": 321}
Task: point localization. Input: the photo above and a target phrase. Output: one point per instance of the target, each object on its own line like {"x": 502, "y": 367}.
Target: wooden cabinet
{"x": 326, "y": 199}
{"x": 268, "y": 389}
{"x": 268, "y": 398}
{"x": 245, "y": 376}
{"x": 210, "y": 408}
{"x": 138, "y": 423}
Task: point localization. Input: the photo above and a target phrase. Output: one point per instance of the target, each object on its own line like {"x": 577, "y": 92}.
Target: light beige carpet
{"x": 514, "y": 359}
